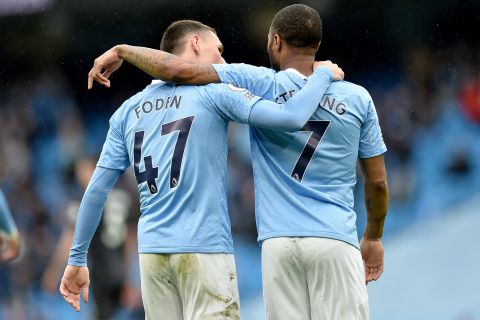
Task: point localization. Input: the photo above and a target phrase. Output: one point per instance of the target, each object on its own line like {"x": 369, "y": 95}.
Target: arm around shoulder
{"x": 166, "y": 66}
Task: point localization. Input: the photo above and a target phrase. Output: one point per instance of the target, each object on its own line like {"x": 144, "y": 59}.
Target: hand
{"x": 103, "y": 67}
{"x": 338, "y": 73}
{"x": 75, "y": 281}
{"x": 372, "y": 254}
{"x": 9, "y": 247}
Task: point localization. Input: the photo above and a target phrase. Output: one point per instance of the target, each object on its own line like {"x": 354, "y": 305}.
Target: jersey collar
{"x": 157, "y": 81}
{"x": 296, "y": 72}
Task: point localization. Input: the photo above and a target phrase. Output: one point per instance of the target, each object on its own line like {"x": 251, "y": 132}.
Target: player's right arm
{"x": 171, "y": 68}
{"x": 159, "y": 64}
{"x": 371, "y": 150}
{"x": 76, "y": 276}
{"x": 376, "y": 203}
{"x": 112, "y": 163}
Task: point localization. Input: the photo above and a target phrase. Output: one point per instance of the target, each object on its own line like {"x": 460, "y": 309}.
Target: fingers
{"x": 107, "y": 73}
{"x": 337, "y": 72}
{"x": 95, "y": 74}
{"x": 98, "y": 77}
{"x": 373, "y": 273}
{"x": 96, "y": 69}
{"x": 85, "y": 292}
{"x": 90, "y": 80}
{"x": 102, "y": 80}
{"x": 73, "y": 300}
{"x": 71, "y": 297}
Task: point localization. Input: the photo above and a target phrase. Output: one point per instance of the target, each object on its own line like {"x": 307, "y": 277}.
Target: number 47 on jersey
{"x": 151, "y": 173}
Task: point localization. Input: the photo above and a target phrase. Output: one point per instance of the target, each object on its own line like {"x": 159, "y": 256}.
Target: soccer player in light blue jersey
{"x": 311, "y": 265}
{"x": 9, "y": 237}
{"x": 176, "y": 139}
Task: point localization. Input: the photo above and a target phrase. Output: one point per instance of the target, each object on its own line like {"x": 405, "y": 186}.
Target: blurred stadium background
{"x": 420, "y": 60}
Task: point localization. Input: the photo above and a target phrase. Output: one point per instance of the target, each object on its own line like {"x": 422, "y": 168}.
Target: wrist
{"x": 369, "y": 237}
{"x": 119, "y": 50}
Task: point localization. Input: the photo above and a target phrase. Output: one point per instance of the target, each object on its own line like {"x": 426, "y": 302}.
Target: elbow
{"x": 180, "y": 73}
{"x": 379, "y": 185}
{"x": 293, "y": 125}
{"x": 95, "y": 192}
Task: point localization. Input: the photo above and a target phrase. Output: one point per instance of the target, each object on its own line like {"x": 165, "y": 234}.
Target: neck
{"x": 301, "y": 62}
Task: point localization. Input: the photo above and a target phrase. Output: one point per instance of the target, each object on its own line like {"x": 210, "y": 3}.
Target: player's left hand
{"x": 372, "y": 254}
{"x": 337, "y": 72}
{"x": 103, "y": 67}
{"x": 75, "y": 281}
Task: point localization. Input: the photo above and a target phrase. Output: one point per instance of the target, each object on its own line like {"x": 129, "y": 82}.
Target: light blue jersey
{"x": 304, "y": 181}
{"x": 176, "y": 139}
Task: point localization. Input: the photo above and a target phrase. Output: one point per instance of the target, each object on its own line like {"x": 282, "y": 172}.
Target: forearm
{"x": 376, "y": 203}
{"x": 90, "y": 213}
{"x": 167, "y": 67}
{"x": 292, "y": 115}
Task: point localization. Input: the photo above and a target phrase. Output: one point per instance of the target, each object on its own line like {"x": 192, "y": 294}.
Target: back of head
{"x": 299, "y": 25}
{"x": 174, "y": 38}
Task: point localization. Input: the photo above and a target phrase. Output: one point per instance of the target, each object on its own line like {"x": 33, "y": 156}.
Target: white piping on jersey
{"x": 295, "y": 71}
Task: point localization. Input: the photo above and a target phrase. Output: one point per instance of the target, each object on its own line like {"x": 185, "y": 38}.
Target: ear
{"x": 195, "y": 44}
{"x": 277, "y": 42}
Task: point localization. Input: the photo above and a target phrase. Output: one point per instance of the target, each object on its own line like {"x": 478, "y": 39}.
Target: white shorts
{"x": 313, "y": 278}
{"x": 189, "y": 286}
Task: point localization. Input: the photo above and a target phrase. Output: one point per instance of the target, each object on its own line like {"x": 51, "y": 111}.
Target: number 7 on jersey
{"x": 317, "y": 129}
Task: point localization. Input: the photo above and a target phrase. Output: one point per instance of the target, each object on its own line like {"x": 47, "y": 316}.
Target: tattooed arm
{"x": 158, "y": 64}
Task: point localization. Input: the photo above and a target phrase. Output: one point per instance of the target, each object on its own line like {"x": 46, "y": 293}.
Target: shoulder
{"x": 214, "y": 89}
{"x": 350, "y": 90}
{"x": 122, "y": 112}
{"x": 350, "y": 87}
{"x": 250, "y": 67}
{"x": 243, "y": 70}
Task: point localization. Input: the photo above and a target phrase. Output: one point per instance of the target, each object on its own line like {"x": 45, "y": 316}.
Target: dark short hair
{"x": 173, "y": 39}
{"x": 299, "y": 25}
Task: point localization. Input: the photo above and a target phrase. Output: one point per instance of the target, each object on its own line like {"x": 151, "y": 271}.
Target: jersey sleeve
{"x": 293, "y": 115}
{"x": 371, "y": 139}
{"x": 228, "y": 101}
{"x": 114, "y": 153}
{"x": 90, "y": 213}
{"x": 241, "y": 105}
{"x": 258, "y": 80}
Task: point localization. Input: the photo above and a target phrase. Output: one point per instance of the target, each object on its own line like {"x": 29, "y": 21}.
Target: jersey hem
{"x": 302, "y": 234}
{"x": 184, "y": 250}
